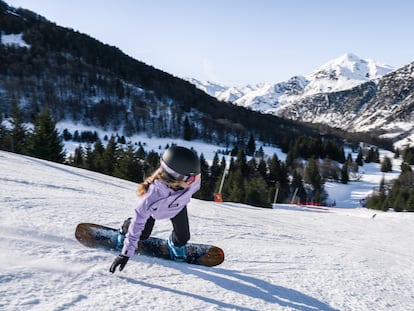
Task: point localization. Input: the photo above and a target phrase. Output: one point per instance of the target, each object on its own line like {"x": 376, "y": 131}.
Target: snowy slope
{"x": 13, "y": 40}
{"x": 340, "y": 259}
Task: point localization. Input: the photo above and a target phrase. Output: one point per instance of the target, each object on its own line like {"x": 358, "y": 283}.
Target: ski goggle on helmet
{"x": 180, "y": 163}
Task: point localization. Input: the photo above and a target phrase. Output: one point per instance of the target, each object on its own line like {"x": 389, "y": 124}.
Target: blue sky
{"x": 241, "y": 42}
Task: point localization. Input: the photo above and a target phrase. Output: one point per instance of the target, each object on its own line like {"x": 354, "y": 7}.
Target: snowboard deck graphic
{"x": 98, "y": 236}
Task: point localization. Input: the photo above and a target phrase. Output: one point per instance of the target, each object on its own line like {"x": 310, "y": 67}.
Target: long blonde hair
{"x": 158, "y": 174}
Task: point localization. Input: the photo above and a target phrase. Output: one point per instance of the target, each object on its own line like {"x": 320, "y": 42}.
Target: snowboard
{"x": 98, "y": 236}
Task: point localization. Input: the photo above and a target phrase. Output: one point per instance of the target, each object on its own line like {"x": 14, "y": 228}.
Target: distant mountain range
{"x": 349, "y": 93}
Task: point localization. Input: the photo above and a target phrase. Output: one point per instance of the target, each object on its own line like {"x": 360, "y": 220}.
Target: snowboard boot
{"x": 122, "y": 232}
{"x": 125, "y": 226}
{"x": 177, "y": 253}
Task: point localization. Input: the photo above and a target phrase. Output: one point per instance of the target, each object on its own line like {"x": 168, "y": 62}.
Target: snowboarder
{"x": 164, "y": 195}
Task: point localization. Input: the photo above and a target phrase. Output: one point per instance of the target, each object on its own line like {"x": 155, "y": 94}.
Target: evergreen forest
{"x": 252, "y": 177}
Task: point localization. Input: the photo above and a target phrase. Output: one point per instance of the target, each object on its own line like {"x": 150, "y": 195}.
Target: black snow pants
{"x": 181, "y": 228}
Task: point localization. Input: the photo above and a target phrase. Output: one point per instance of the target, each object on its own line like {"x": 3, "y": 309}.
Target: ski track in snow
{"x": 276, "y": 259}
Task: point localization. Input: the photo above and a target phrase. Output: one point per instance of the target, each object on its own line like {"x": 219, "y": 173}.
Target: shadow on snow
{"x": 245, "y": 285}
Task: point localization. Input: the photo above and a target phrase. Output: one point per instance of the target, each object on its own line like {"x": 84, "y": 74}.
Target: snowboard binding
{"x": 177, "y": 253}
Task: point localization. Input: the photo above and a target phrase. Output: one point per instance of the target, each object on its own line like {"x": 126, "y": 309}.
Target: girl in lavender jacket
{"x": 164, "y": 195}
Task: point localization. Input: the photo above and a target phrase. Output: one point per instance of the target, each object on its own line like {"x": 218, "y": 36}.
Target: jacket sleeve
{"x": 141, "y": 215}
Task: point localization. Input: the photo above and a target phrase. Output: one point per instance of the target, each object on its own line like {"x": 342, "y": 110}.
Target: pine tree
{"x": 251, "y": 168}
{"x": 187, "y": 131}
{"x": 215, "y": 169}
{"x": 128, "y": 165}
{"x": 3, "y": 134}
{"x": 372, "y": 155}
{"x": 262, "y": 168}
{"x": 256, "y": 192}
{"x": 109, "y": 156}
{"x": 376, "y": 158}
{"x": 141, "y": 153}
{"x": 88, "y": 157}
{"x": 251, "y": 146}
{"x": 78, "y": 157}
{"x": 360, "y": 158}
{"x": 297, "y": 183}
{"x": 399, "y": 202}
{"x": 274, "y": 170}
{"x": 289, "y": 158}
{"x": 386, "y": 165}
{"x": 260, "y": 153}
{"x": 313, "y": 177}
{"x": 383, "y": 200}
{"x": 234, "y": 187}
{"x": 152, "y": 163}
{"x": 18, "y": 133}
{"x": 405, "y": 168}
{"x": 410, "y": 202}
{"x": 278, "y": 173}
{"x": 394, "y": 191}
{"x": 94, "y": 157}
{"x": 241, "y": 162}
{"x": 45, "y": 142}
{"x": 207, "y": 187}
{"x": 344, "y": 173}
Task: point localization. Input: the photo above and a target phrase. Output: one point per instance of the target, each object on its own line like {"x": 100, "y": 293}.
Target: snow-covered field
{"x": 276, "y": 259}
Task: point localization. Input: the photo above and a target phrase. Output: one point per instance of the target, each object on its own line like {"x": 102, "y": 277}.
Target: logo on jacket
{"x": 173, "y": 205}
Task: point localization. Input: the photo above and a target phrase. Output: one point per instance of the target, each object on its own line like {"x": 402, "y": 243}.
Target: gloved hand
{"x": 120, "y": 261}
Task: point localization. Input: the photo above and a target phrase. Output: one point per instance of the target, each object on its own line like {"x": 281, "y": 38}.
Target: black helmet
{"x": 181, "y": 160}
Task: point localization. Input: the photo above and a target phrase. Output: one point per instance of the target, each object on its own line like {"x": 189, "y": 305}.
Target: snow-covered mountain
{"x": 337, "y": 75}
{"x": 276, "y": 259}
{"x": 344, "y": 73}
{"x": 349, "y": 93}
{"x": 226, "y": 93}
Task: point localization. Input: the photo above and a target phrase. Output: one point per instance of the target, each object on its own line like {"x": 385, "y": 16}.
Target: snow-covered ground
{"x": 13, "y": 40}
{"x": 276, "y": 259}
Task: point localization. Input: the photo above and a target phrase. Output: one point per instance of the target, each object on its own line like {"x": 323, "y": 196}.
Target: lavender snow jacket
{"x": 160, "y": 202}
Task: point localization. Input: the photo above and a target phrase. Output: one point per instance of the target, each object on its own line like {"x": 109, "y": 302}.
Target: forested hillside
{"x": 81, "y": 79}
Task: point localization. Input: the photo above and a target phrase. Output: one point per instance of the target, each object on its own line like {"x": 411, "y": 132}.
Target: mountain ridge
{"x": 349, "y": 93}
{"x": 339, "y": 74}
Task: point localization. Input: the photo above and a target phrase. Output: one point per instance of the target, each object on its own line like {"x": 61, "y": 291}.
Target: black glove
{"x": 120, "y": 261}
